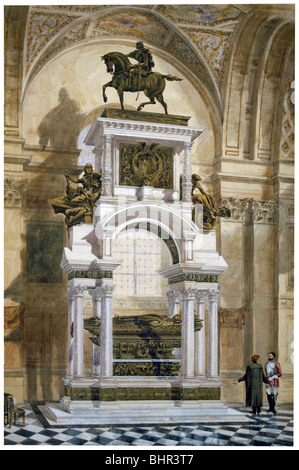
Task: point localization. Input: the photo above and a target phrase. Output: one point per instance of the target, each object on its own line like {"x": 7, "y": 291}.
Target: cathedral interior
{"x": 236, "y": 69}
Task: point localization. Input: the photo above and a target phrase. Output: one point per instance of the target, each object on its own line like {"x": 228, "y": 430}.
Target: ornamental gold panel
{"x": 146, "y": 165}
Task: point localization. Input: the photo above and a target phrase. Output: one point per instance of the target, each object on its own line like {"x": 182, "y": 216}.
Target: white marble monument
{"x": 194, "y": 393}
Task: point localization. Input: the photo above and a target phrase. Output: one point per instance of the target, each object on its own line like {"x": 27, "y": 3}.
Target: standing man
{"x": 273, "y": 372}
{"x": 254, "y": 378}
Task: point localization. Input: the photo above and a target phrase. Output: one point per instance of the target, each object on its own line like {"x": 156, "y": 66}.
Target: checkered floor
{"x": 265, "y": 429}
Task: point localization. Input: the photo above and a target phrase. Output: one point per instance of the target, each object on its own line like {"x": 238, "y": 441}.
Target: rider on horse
{"x": 145, "y": 64}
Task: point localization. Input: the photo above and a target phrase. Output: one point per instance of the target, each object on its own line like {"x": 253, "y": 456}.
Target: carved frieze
{"x": 194, "y": 278}
{"x": 90, "y": 275}
{"x": 141, "y": 393}
{"x": 146, "y": 368}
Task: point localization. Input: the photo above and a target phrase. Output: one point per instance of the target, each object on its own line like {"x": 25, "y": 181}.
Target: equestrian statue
{"x": 136, "y": 78}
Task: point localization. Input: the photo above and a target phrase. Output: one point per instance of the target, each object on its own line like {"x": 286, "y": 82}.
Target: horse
{"x": 152, "y": 84}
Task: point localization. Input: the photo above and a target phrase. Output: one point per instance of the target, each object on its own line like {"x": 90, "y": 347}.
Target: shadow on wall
{"x": 35, "y": 310}
{"x": 61, "y": 127}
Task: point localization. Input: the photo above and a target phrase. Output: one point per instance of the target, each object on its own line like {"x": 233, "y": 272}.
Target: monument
{"x": 146, "y": 368}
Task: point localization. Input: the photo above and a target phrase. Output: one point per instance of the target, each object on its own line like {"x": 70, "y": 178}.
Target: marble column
{"x": 213, "y": 334}
{"x": 173, "y": 303}
{"x": 70, "y": 325}
{"x": 106, "y": 337}
{"x": 187, "y": 173}
{"x": 78, "y": 330}
{"x": 107, "y": 167}
{"x": 98, "y": 153}
{"x": 200, "y": 336}
{"x": 187, "y": 369}
{"x": 96, "y": 313}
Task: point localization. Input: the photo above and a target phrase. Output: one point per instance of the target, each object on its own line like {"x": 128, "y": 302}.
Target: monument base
{"x": 131, "y": 413}
{"x": 139, "y": 401}
{"x": 145, "y": 116}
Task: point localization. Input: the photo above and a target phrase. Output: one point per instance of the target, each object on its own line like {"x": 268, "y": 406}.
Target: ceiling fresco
{"x": 194, "y": 14}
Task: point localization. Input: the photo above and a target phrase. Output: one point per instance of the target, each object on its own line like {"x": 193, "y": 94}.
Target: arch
{"x": 170, "y": 226}
{"x": 171, "y": 45}
{"x": 161, "y": 233}
{"x": 257, "y": 41}
{"x": 278, "y": 62}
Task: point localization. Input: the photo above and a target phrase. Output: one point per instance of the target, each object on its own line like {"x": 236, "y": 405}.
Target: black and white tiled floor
{"x": 263, "y": 430}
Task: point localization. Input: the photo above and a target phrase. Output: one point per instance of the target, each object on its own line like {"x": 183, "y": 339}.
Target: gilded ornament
{"x": 146, "y": 165}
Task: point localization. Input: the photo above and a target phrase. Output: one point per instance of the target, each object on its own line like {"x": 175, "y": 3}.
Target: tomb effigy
{"x": 143, "y": 360}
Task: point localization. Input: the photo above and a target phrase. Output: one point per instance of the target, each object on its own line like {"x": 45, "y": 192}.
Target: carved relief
{"x": 232, "y": 317}
{"x": 146, "y": 368}
{"x": 146, "y": 165}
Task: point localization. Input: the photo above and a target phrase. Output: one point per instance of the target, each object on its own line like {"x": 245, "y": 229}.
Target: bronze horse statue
{"x": 152, "y": 84}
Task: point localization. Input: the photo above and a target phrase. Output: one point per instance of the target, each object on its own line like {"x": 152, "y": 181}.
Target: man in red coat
{"x": 272, "y": 372}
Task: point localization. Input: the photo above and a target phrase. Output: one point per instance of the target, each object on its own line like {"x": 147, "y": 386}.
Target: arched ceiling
{"x": 196, "y": 35}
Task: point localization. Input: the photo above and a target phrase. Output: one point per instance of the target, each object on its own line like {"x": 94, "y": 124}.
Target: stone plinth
{"x": 144, "y": 116}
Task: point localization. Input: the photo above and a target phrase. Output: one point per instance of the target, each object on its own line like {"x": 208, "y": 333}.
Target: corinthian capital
{"x": 107, "y": 291}
{"x": 188, "y": 293}
{"x": 173, "y": 296}
{"x": 213, "y": 295}
{"x": 13, "y": 190}
{"x": 76, "y": 291}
